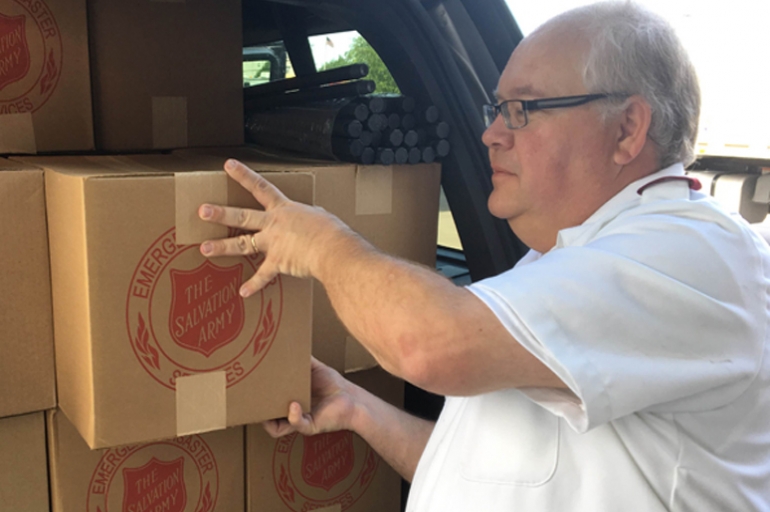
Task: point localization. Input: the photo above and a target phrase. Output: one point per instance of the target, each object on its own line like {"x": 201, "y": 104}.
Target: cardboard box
{"x": 166, "y": 74}
{"x": 335, "y": 472}
{"x": 23, "y": 468}
{"x": 26, "y": 323}
{"x": 45, "y": 85}
{"x": 152, "y": 340}
{"x": 187, "y": 474}
{"x": 395, "y": 208}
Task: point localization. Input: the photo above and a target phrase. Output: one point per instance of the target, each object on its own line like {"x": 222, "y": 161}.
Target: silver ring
{"x": 253, "y": 244}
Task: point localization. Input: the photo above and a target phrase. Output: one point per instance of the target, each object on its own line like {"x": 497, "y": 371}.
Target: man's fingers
{"x": 262, "y": 190}
{"x": 245, "y": 218}
{"x": 237, "y": 246}
{"x": 257, "y": 281}
{"x": 278, "y": 428}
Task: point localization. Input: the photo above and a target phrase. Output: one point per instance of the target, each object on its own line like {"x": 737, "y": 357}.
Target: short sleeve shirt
{"x": 654, "y": 312}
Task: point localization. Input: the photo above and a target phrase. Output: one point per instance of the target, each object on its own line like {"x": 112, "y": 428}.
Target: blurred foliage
{"x": 361, "y": 52}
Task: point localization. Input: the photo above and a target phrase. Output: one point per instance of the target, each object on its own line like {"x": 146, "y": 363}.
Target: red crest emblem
{"x": 207, "y": 311}
{"x": 155, "y": 486}
{"x": 327, "y": 459}
{"x": 14, "y": 50}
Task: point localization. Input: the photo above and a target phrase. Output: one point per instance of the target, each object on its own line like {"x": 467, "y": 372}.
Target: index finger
{"x": 262, "y": 190}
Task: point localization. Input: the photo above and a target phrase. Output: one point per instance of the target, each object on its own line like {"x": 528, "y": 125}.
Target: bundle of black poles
{"x": 332, "y": 114}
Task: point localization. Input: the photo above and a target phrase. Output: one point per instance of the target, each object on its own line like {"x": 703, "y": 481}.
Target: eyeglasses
{"x": 515, "y": 112}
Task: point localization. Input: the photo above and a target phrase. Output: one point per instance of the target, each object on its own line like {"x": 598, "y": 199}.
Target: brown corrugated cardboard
{"x": 296, "y": 473}
{"x": 26, "y": 330}
{"x": 395, "y": 208}
{"x": 167, "y": 74}
{"x": 45, "y": 86}
{"x": 141, "y": 322}
{"x": 23, "y": 470}
{"x": 198, "y": 473}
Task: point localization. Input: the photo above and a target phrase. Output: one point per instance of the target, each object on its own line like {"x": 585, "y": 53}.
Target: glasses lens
{"x": 490, "y": 113}
{"x": 515, "y": 114}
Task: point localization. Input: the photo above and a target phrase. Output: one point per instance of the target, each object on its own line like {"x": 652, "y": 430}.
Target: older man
{"x": 622, "y": 364}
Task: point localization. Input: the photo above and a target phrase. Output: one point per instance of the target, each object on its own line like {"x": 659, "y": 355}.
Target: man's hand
{"x": 332, "y": 406}
{"x": 338, "y": 404}
{"x": 292, "y": 236}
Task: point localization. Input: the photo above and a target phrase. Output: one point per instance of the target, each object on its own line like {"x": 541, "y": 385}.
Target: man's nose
{"x": 497, "y": 134}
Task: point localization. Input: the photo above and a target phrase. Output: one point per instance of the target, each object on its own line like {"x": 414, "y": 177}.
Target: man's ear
{"x": 632, "y": 130}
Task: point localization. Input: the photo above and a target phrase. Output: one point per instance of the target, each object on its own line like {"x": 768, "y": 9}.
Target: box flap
{"x": 71, "y": 305}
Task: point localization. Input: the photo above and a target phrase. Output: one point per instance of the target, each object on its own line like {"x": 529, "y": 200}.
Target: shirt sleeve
{"x": 653, "y": 315}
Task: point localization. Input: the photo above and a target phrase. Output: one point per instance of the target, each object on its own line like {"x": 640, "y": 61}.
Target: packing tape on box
{"x": 374, "y": 190}
{"x": 169, "y": 122}
{"x": 192, "y": 189}
{"x": 201, "y": 403}
{"x": 17, "y": 134}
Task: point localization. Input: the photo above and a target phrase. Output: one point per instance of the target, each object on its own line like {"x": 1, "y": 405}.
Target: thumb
{"x": 302, "y": 423}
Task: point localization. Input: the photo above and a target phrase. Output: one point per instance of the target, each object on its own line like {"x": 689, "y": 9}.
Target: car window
{"x": 345, "y": 48}
{"x": 727, "y": 43}
{"x": 266, "y": 63}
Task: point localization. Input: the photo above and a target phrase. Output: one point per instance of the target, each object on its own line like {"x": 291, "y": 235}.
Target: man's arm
{"x": 338, "y": 404}
{"x": 419, "y": 325}
{"x": 397, "y": 436}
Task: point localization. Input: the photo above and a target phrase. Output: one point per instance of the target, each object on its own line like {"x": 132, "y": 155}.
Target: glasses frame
{"x": 491, "y": 111}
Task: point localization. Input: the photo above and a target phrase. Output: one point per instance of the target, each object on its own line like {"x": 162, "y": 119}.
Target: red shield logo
{"x": 327, "y": 459}
{"x": 207, "y": 311}
{"x": 155, "y": 486}
{"x": 14, "y": 50}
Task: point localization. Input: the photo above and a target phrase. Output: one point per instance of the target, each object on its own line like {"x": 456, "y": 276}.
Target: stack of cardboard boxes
{"x": 159, "y": 364}
{"x": 26, "y": 340}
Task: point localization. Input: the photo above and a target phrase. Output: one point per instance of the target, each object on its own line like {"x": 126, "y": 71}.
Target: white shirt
{"x": 655, "y": 313}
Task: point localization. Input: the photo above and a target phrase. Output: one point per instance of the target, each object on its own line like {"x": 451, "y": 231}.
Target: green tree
{"x": 361, "y": 52}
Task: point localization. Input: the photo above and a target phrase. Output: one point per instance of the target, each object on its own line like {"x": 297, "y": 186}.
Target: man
{"x": 621, "y": 365}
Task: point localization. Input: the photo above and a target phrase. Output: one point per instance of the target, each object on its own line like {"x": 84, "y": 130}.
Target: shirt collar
{"x": 623, "y": 200}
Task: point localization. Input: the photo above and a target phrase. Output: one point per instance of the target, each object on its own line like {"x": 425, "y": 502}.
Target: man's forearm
{"x": 386, "y": 303}
{"x": 397, "y": 436}
{"x": 420, "y": 326}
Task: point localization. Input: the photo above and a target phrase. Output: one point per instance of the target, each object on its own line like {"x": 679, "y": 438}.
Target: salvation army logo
{"x": 322, "y": 470}
{"x": 14, "y": 52}
{"x": 208, "y": 296}
{"x": 327, "y": 460}
{"x": 157, "y": 485}
{"x": 184, "y": 314}
{"x": 31, "y": 56}
{"x": 167, "y": 475}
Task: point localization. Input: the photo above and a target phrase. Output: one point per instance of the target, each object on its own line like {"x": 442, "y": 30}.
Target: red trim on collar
{"x": 693, "y": 182}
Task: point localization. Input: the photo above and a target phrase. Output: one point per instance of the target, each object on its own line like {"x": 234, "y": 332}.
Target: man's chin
{"x": 502, "y": 209}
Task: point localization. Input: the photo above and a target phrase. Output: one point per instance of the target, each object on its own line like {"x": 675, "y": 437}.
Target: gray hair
{"x": 635, "y": 51}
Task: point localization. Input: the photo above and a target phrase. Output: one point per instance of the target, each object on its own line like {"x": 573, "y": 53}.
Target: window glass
{"x": 256, "y": 72}
{"x": 266, "y": 63}
{"x": 447, "y": 231}
{"x": 344, "y": 48}
{"x": 727, "y": 43}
